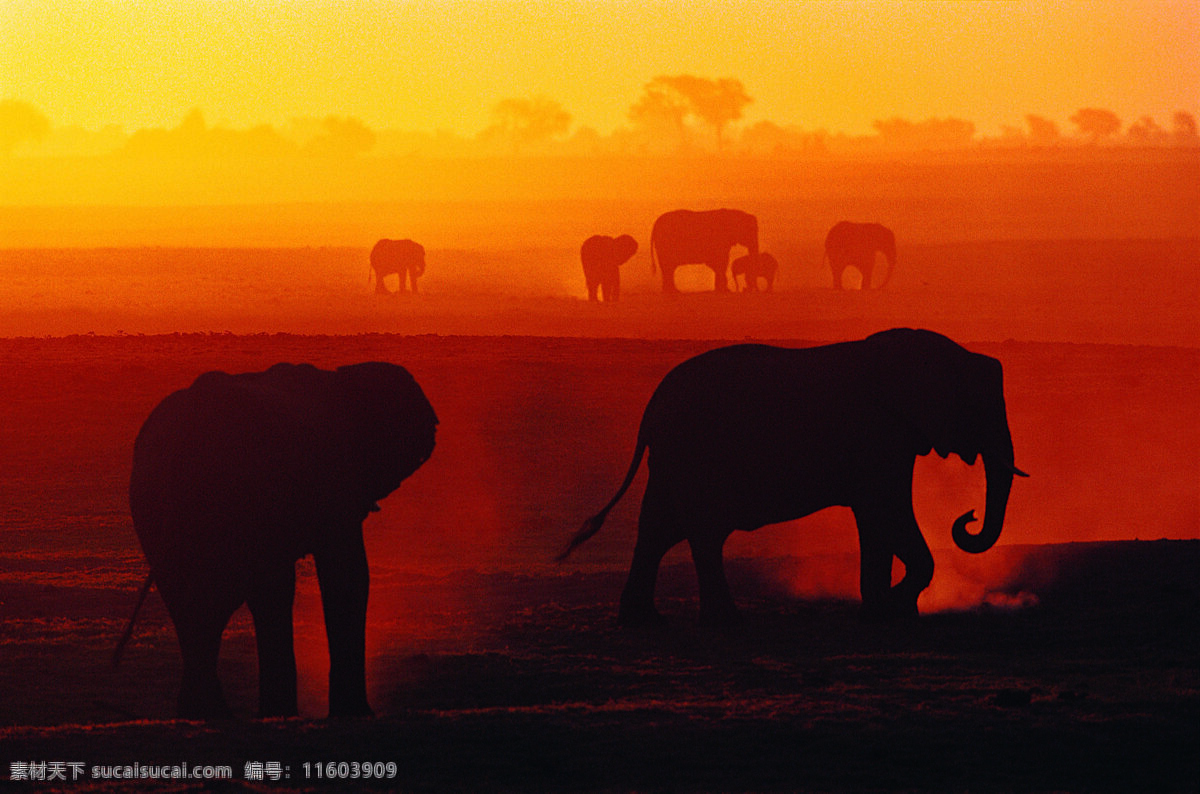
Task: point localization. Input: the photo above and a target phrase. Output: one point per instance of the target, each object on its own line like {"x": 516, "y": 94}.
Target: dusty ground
{"x": 1065, "y": 659}
{"x": 1045, "y": 664}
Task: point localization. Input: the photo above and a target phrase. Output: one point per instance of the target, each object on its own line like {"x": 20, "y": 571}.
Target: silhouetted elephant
{"x": 840, "y": 424}
{"x": 237, "y": 477}
{"x": 400, "y": 257}
{"x": 855, "y": 245}
{"x": 684, "y": 237}
{"x": 602, "y": 258}
{"x": 752, "y": 268}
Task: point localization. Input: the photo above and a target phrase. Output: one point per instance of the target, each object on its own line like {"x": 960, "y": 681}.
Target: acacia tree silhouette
{"x": 524, "y": 121}
{"x": 669, "y": 100}
{"x": 20, "y": 122}
{"x": 1096, "y": 123}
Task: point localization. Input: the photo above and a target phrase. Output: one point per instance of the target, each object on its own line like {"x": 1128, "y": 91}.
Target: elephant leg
{"x": 885, "y": 526}
{"x": 200, "y": 696}
{"x": 720, "y": 277}
{"x": 344, "y": 578}
{"x": 656, "y": 536}
{"x": 593, "y": 290}
{"x": 838, "y": 273}
{"x": 875, "y": 573}
{"x": 613, "y": 291}
{"x": 668, "y": 279}
{"x": 380, "y": 287}
{"x": 912, "y": 550}
{"x": 716, "y": 603}
{"x": 270, "y": 604}
{"x": 412, "y": 280}
{"x": 200, "y": 605}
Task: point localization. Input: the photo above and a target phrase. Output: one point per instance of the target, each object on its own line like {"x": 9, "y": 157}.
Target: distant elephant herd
{"x": 238, "y": 476}
{"x": 681, "y": 237}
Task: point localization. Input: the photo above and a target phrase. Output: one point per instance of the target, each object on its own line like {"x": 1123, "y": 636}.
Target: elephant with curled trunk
{"x": 402, "y": 257}
{"x": 685, "y": 237}
{"x": 602, "y": 258}
{"x": 855, "y": 245}
{"x": 237, "y": 477}
{"x": 840, "y": 424}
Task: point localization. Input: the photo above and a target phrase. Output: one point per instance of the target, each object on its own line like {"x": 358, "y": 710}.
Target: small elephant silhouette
{"x": 854, "y": 245}
{"x": 602, "y": 258}
{"x": 237, "y": 477}
{"x": 400, "y": 257}
{"x": 752, "y": 268}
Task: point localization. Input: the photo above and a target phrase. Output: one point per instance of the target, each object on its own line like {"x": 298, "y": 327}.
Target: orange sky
{"x": 442, "y": 64}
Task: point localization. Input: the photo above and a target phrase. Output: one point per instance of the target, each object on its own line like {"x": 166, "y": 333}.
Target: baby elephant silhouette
{"x": 751, "y": 268}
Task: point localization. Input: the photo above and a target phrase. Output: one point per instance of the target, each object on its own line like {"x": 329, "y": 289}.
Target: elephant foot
{"x": 364, "y": 714}
{"x": 271, "y": 712}
{"x": 209, "y": 712}
{"x": 890, "y": 609}
{"x": 725, "y": 617}
{"x": 640, "y": 618}
{"x": 355, "y": 711}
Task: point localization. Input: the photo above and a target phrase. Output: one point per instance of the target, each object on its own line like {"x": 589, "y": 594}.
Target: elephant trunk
{"x": 999, "y": 471}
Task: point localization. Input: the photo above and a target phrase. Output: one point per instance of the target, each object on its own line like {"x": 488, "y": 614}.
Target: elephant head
{"x": 392, "y": 424}
{"x": 744, "y": 230}
{"x": 952, "y": 401}
{"x": 624, "y": 247}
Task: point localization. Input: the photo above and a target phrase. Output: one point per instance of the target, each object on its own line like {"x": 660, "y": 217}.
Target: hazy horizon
{"x": 434, "y": 65}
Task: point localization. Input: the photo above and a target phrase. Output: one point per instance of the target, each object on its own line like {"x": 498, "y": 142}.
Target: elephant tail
{"x": 128, "y": 633}
{"x": 593, "y": 524}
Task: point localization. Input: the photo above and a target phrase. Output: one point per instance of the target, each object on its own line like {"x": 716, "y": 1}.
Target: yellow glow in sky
{"x": 442, "y": 64}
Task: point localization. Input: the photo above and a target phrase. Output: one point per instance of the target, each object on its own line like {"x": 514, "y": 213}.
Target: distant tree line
{"x": 679, "y": 114}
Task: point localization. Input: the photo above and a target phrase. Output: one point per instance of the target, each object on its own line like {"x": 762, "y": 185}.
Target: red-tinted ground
{"x": 491, "y": 667}
{"x": 1062, "y": 660}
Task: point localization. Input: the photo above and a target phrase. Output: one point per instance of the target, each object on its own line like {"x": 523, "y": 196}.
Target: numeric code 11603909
{"x": 348, "y": 770}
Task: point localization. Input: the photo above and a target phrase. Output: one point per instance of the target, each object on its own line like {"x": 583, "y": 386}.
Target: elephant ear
{"x": 933, "y": 387}
{"x": 391, "y": 423}
{"x": 625, "y": 247}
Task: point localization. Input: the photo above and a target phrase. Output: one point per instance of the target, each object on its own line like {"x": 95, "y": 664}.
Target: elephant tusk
{"x": 1018, "y": 472}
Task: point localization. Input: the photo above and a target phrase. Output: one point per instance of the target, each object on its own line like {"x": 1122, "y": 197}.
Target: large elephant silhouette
{"x": 685, "y": 237}
{"x": 752, "y": 268}
{"x": 854, "y": 245}
{"x": 839, "y": 424}
{"x": 602, "y": 258}
{"x": 400, "y": 257}
{"x": 237, "y": 477}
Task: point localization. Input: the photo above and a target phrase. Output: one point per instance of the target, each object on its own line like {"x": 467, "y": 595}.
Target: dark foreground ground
{"x": 1042, "y": 665}
{"x": 1093, "y": 685}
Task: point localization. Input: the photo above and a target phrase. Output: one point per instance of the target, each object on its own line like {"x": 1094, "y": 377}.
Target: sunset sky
{"x": 442, "y": 64}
